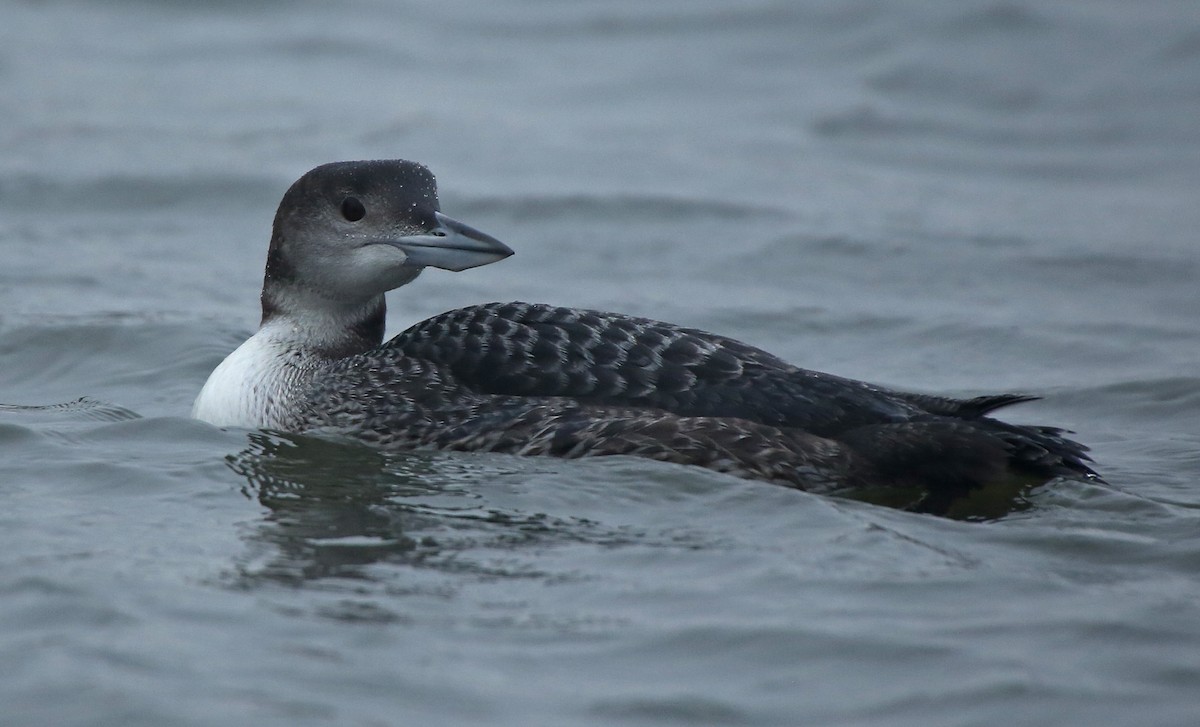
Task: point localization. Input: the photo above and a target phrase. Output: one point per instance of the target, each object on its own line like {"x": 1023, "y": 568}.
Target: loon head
{"x": 347, "y": 232}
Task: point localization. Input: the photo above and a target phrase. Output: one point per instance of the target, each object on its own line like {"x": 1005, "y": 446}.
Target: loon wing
{"x": 523, "y": 349}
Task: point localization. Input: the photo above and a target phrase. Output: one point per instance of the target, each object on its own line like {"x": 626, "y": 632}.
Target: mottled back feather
{"x": 536, "y": 379}
{"x": 524, "y": 349}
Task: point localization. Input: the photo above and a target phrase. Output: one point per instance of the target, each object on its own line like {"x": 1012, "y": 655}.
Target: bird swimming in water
{"x": 532, "y": 379}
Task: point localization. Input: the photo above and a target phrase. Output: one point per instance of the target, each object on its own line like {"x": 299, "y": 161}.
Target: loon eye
{"x": 352, "y": 209}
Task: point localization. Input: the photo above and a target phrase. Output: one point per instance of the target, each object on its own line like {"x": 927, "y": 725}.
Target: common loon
{"x": 536, "y": 379}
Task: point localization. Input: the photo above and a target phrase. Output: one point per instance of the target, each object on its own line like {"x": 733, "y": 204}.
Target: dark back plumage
{"x": 537, "y": 379}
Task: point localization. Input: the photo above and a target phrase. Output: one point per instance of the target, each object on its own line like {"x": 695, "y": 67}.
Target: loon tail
{"x": 947, "y": 460}
{"x": 966, "y": 408}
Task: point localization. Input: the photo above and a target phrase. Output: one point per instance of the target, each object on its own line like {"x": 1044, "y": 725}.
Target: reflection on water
{"x": 336, "y": 507}
{"x": 329, "y": 508}
{"x": 990, "y": 502}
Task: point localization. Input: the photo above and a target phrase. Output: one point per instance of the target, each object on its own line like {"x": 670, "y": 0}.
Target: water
{"x": 959, "y": 198}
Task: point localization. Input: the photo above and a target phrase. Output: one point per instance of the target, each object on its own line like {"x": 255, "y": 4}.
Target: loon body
{"x": 541, "y": 380}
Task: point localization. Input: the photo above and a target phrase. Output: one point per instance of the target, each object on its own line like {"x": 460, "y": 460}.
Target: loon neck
{"x": 320, "y": 327}
{"x": 262, "y": 383}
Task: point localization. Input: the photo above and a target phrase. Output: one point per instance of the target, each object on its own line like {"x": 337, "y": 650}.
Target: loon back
{"x": 535, "y": 379}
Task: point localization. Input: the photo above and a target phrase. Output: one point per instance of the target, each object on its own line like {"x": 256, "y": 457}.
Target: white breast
{"x": 255, "y": 386}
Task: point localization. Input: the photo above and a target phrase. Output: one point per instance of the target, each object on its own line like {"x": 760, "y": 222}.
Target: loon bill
{"x": 536, "y": 379}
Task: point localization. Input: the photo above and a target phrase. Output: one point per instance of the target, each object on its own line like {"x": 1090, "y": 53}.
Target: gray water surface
{"x": 958, "y": 198}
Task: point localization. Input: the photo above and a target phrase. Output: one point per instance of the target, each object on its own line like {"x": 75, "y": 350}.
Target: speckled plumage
{"x": 535, "y": 379}
{"x": 540, "y": 380}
